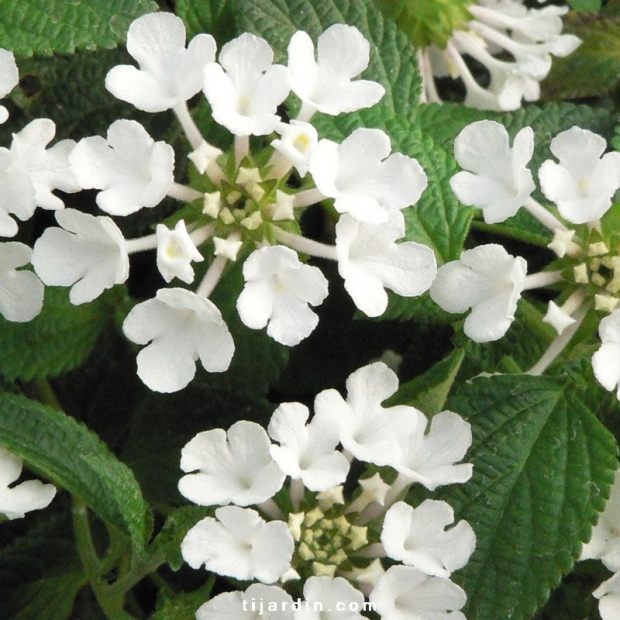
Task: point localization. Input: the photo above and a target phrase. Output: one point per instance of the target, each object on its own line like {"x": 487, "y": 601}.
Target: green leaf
{"x": 59, "y": 339}
{"x": 182, "y": 606}
{"x": 216, "y": 17}
{"x": 40, "y": 573}
{"x": 71, "y": 456}
{"x": 393, "y": 60}
{"x": 543, "y": 466}
{"x": 429, "y": 391}
{"x": 47, "y": 27}
{"x": 585, "y": 6}
{"x": 592, "y": 70}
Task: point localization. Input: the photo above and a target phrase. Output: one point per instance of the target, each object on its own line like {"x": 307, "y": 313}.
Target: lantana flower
{"x": 608, "y": 594}
{"x": 251, "y": 604}
{"x": 169, "y": 73}
{"x": 132, "y": 170}
{"x": 17, "y": 500}
{"x": 244, "y": 88}
{"x": 606, "y": 361}
{"x": 175, "y": 253}
{"x": 584, "y": 181}
{"x": 181, "y": 327}
{"x": 21, "y": 292}
{"x": 87, "y": 253}
{"x": 486, "y": 280}
{"x": 230, "y": 467}
{"x": 9, "y": 78}
{"x": 363, "y": 178}
{"x": 370, "y": 261}
{"x": 325, "y": 84}
{"x": 495, "y": 176}
{"x": 278, "y": 292}
{"x": 240, "y": 544}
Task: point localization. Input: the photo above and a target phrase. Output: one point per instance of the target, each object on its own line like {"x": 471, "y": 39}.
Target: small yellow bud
{"x": 248, "y": 176}
{"x": 358, "y": 536}
{"x": 252, "y": 222}
{"x": 305, "y": 553}
{"x": 581, "y": 274}
{"x": 598, "y": 279}
{"x": 233, "y": 197}
{"x": 313, "y": 516}
{"x": 295, "y": 519}
{"x": 324, "y": 570}
{"x": 338, "y": 558}
{"x": 342, "y": 525}
{"x": 605, "y": 303}
{"x": 597, "y": 249}
{"x": 226, "y": 216}
{"x": 595, "y": 264}
{"x": 212, "y": 204}
{"x": 614, "y": 285}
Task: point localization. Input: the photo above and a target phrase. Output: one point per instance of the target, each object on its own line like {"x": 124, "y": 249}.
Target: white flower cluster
{"x": 604, "y": 545}
{"x": 512, "y": 42}
{"x": 489, "y": 281}
{"x": 17, "y": 500}
{"x": 304, "y": 536}
{"x": 244, "y": 209}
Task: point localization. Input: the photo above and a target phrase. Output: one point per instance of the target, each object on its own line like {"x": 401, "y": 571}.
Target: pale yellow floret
{"x": 252, "y": 222}
{"x": 597, "y": 249}
{"x": 212, "y": 204}
{"x": 581, "y": 274}
{"x": 226, "y": 216}
{"x": 605, "y": 303}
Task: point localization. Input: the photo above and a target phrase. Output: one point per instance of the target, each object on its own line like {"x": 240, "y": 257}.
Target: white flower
{"x": 21, "y": 292}
{"x": 608, "y": 594}
{"x": 404, "y": 593}
{"x": 495, "y": 176}
{"x": 584, "y": 182}
{"x": 9, "y": 77}
{"x": 169, "y": 74}
{"x": 297, "y": 144}
{"x": 606, "y": 361}
{"x": 253, "y": 604}
{"x": 245, "y": 88}
{"x": 432, "y": 458}
{"x": 370, "y": 261}
{"x": 369, "y": 431}
{"x": 363, "y": 178}
{"x": 175, "y": 252}
{"x": 325, "y": 84}
{"x": 604, "y": 544}
{"x": 278, "y": 291}
{"x": 489, "y": 281}
{"x": 307, "y": 451}
{"x": 230, "y": 467}
{"x": 17, "y": 500}
{"x": 337, "y": 598}
{"x": 417, "y": 537}
{"x": 47, "y": 169}
{"x": 240, "y": 544}
{"x": 132, "y": 170}
{"x": 88, "y": 252}
{"x": 17, "y": 195}
{"x": 181, "y": 328}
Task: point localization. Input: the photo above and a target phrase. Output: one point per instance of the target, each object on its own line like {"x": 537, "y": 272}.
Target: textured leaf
{"x": 59, "y": 339}
{"x": 216, "y": 17}
{"x": 182, "y": 606}
{"x": 592, "y": 70}
{"x": 74, "y": 458}
{"x": 46, "y": 27}
{"x": 543, "y": 466}
{"x": 392, "y": 56}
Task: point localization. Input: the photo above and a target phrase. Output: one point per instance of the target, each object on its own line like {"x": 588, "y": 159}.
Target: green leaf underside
{"x": 543, "y": 465}
{"x": 74, "y": 458}
{"x": 46, "y": 27}
{"x": 57, "y": 340}
{"x": 393, "y": 60}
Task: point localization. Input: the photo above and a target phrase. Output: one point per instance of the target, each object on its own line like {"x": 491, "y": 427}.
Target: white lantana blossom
{"x": 307, "y": 451}
{"x": 495, "y": 177}
{"x": 132, "y": 170}
{"x": 338, "y": 599}
{"x": 370, "y": 261}
{"x": 584, "y": 181}
{"x": 604, "y": 543}
{"x": 404, "y": 593}
{"x": 606, "y": 361}
{"x": 21, "y": 292}
{"x": 17, "y": 500}
{"x": 278, "y": 292}
{"x": 87, "y": 253}
{"x": 297, "y": 143}
{"x": 486, "y": 280}
{"x": 175, "y": 252}
{"x": 363, "y": 178}
{"x": 181, "y": 327}
{"x": 245, "y": 88}
{"x": 253, "y": 604}
{"x": 17, "y": 195}
{"x": 169, "y": 73}
{"x": 325, "y": 84}
{"x": 417, "y": 537}
{"x": 230, "y": 467}
{"x": 240, "y": 544}
{"x": 9, "y": 77}
{"x": 369, "y": 431}
{"x": 47, "y": 168}
{"x": 608, "y": 594}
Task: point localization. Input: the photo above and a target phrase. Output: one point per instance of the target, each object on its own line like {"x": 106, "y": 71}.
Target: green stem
{"x": 513, "y": 233}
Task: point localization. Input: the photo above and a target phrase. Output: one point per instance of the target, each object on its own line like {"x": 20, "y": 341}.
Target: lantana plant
{"x": 310, "y": 310}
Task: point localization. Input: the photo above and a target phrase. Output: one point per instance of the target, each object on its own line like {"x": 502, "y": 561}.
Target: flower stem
{"x": 544, "y": 216}
{"x": 308, "y": 197}
{"x": 306, "y": 246}
{"x": 183, "y": 193}
{"x": 541, "y": 279}
{"x": 189, "y": 126}
{"x": 141, "y": 244}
